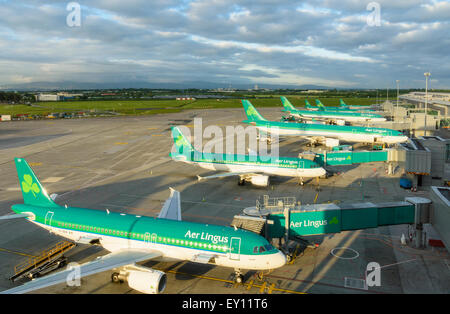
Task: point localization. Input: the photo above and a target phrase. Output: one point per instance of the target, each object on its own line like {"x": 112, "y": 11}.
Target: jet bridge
{"x": 288, "y": 219}
{"x": 339, "y": 158}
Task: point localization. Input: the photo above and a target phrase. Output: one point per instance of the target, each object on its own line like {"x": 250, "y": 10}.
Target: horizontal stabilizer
{"x": 15, "y": 216}
{"x": 223, "y": 175}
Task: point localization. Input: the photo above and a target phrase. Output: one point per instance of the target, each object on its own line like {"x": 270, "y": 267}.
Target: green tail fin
{"x": 320, "y": 105}
{"x": 182, "y": 145}
{"x": 307, "y": 104}
{"x": 287, "y": 104}
{"x": 32, "y": 191}
{"x": 343, "y": 104}
{"x": 251, "y": 112}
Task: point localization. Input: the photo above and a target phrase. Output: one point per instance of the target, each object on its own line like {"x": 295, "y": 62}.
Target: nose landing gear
{"x": 238, "y": 277}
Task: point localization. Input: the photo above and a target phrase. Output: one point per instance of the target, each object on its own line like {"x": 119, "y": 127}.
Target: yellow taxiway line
{"x": 15, "y": 252}
{"x": 249, "y": 285}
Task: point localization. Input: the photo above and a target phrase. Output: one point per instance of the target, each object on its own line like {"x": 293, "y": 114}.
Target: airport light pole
{"x": 427, "y": 74}
{"x": 397, "y": 93}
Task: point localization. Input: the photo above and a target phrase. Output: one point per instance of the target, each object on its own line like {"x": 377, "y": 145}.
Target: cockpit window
{"x": 269, "y": 247}
{"x": 255, "y": 249}
{"x": 262, "y": 249}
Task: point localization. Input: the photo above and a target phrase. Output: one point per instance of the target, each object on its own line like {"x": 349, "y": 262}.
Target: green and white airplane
{"x": 255, "y": 169}
{"x": 319, "y": 132}
{"x": 133, "y": 239}
{"x": 342, "y": 107}
{"x": 330, "y": 115}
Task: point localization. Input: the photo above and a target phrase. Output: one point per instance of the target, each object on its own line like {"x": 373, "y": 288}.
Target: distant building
{"x": 312, "y": 91}
{"x": 68, "y": 95}
{"x": 436, "y": 101}
{"x": 48, "y": 97}
{"x": 431, "y": 96}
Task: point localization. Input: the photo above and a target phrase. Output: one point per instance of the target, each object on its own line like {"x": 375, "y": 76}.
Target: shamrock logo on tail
{"x": 179, "y": 140}
{"x": 251, "y": 111}
{"x": 28, "y": 185}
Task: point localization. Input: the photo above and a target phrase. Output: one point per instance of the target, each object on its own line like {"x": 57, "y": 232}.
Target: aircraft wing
{"x": 227, "y": 174}
{"x": 171, "y": 208}
{"x": 100, "y": 264}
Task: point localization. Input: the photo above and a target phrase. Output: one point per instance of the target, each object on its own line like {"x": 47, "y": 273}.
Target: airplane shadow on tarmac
{"x": 218, "y": 208}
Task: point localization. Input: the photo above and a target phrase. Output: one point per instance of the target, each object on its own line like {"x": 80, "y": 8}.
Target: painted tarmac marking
{"x": 345, "y": 248}
{"x": 34, "y": 164}
{"x": 13, "y": 189}
{"x": 315, "y": 199}
{"x": 249, "y": 285}
{"x": 17, "y": 253}
{"x": 52, "y": 179}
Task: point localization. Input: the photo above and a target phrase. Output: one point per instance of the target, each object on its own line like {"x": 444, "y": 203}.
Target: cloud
{"x": 323, "y": 42}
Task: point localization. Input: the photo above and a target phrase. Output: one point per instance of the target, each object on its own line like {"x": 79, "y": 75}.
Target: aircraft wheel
{"x": 288, "y": 258}
{"x": 239, "y": 279}
{"x": 115, "y": 278}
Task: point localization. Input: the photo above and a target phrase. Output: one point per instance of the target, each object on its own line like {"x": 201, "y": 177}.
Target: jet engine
{"x": 260, "y": 180}
{"x": 143, "y": 279}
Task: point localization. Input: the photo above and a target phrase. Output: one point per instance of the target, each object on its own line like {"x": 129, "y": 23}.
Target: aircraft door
{"x": 49, "y": 217}
{"x": 235, "y": 248}
{"x": 149, "y": 238}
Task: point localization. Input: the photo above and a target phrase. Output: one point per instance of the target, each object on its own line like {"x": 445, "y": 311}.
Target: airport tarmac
{"x": 122, "y": 164}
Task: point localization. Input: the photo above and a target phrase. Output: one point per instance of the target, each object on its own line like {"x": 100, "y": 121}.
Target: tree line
{"x": 16, "y": 98}
{"x": 9, "y": 97}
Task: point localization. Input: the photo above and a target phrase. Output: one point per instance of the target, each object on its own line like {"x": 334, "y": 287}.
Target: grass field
{"x": 142, "y": 107}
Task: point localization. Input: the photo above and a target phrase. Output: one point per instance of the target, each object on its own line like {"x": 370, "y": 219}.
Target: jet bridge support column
{"x": 286, "y": 226}
{"x": 422, "y": 215}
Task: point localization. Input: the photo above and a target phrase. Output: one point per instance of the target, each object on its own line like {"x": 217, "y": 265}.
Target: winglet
{"x": 172, "y": 207}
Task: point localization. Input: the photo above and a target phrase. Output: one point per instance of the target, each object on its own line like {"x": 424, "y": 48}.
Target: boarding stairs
{"x": 46, "y": 261}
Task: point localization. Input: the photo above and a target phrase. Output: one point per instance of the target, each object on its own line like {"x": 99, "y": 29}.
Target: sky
{"x": 333, "y": 43}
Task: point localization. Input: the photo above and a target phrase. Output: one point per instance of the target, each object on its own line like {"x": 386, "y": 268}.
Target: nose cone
{"x": 278, "y": 260}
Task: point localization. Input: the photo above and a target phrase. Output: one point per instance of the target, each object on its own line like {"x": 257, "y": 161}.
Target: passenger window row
{"x": 140, "y": 236}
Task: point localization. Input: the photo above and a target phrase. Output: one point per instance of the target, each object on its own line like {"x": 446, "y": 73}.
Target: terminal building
{"x": 436, "y": 101}
{"x": 56, "y": 97}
